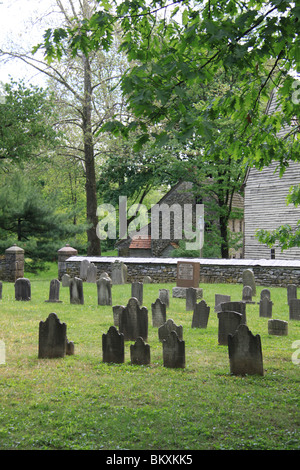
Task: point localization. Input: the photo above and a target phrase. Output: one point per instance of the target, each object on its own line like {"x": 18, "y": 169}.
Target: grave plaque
{"x": 245, "y": 354}
{"x": 188, "y": 274}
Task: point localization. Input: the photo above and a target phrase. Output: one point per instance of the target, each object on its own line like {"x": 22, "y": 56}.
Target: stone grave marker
{"x": 140, "y": 352}
{"x": 221, "y": 298}
{"x": 188, "y": 275}
{"x": 165, "y": 329}
{"x": 113, "y": 349}
{"x": 265, "y": 308}
{"x": 54, "y": 291}
{"x": 247, "y": 295}
{"x": 294, "y": 309}
{"x": 116, "y": 313}
{"x": 159, "y": 315}
{"x": 22, "y": 289}
{"x": 173, "y": 351}
{"x": 277, "y": 327}
{"x": 118, "y": 273}
{"x": 91, "y": 275}
{"x": 0, "y": 290}
{"x": 200, "y": 315}
{"x": 104, "y": 291}
{"x": 249, "y": 280}
{"x": 83, "y": 269}
{"x": 228, "y": 324}
{"x": 52, "y": 338}
{"x": 164, "y": 296}
{"x": 291, "y": 292}
{"x": 235, "y": 306}
{"x": 137, "y": 291}
{"x": 191, "y": 299}
{"x": 104, "y": 274}
{"x": 133, "y": 321}
{"x": 76, "y": 291}
{"x": 147, "y": 280}
{"x": 65, "y": 280}
{"x": 245, "y": 353}
{"x": 265, "y": 293}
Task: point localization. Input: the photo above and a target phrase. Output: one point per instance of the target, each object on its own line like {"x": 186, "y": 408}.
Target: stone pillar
{"x": 14, "y": 263}
{"x": 63, "y": 254}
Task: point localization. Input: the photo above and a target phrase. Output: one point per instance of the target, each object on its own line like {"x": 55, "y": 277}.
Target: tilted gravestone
{"x": 54, "y": 291}
{"x": 249, "y": 280}
{"x": 76, "y": 291}
{"x": 277, "y": 327}
{"x": 235, "y": 306}
{"x": 116, "y": 313}
{"x": 166, "y": 328}
{"x": 140, "y": 352}
{"x": 91, "y": 274}
{"x": 133, "y": 321}
{"x": 137, "y": 291}
{"x": 164, "y": 296}
{"x": 159, "y": 315}
{"x": 291, "y": 292}
{"x": 22, "y": 289}
{"x": 294, "y": 309}
{"x": 104, "y": 291}
{"x": 265, "y": 307}
{"x": 221, "y": 298}
{"x": 228, "y": 324}
{"x": 173, "y": 351}
{"x": 53, "y": 342}
{"x": 113, "y": 349}
{"x": 245, "y": 353}
{"x": 191, "y": 299}
{"x": 200, "y": 315}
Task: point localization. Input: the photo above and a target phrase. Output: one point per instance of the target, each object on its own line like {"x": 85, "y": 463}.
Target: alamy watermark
{"x": 188, "y": 222}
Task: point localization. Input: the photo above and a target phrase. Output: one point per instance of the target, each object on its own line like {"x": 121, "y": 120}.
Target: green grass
{"x": 81, "y": 403}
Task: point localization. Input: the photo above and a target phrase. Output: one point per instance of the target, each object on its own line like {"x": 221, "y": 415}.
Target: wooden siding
{"x": 265, "y": 208}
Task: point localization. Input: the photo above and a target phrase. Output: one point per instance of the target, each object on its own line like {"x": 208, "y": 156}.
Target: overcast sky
{"x": 21, "y": 24}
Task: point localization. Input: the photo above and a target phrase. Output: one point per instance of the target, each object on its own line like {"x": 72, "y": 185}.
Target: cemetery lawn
{"x": 81, "y": 403}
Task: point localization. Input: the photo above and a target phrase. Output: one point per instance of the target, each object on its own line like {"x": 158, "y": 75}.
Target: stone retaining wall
{"x": 266, "y": 272}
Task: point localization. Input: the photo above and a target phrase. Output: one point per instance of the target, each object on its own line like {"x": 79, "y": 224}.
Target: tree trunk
{"x": 94, "y": 248}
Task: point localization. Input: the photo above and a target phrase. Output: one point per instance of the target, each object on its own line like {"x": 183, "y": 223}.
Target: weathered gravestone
{"x": 247, "y": 295}
{"x": 188, "y": 275}
{"x": 0, "y": 290}
{"x": 54, "y": 291}
{"x": 249, "y": 280}
{"x": 116, "y": 313}
{"x": 140, "y": 352}
{"x": 159, "y": 315}
{"x": 76, "y": 291}
{"x": 118, "y": 273}
{"x": 291, "y": 292}
{"x": 294, "y": 309}
{"x": 91, "y": 275}
{"x": 22, "y": 289}
{"x": 277, "y": 327}
{"x": 265, "y": 307}
{"x": 137, "y": 291}
{"x": 133, "y": 321}
{"x": 191, "y": 299}
{"x": 53, "y": 342}
{"x": 228, "y": 324}
{"x": 83, "y": 269}
{"x": 104, "y": 291}
{"x": 235, "y": 306}
{"x": 265, "y": 293}
{"x": 164, "y": 296}
{"x": 245, "y": 354}
{"x": 200, "y": 315}
{"x": 147, "y": 280}
{"x": 165, "y": 329}
{"x": 113, "y": 349}
{"x": 65, "y": 280}
{"x": 173, "y": 351}
{"x": 221, "y": 298}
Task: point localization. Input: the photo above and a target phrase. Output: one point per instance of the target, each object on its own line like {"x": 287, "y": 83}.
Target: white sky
{"x": 20, "y": 25}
